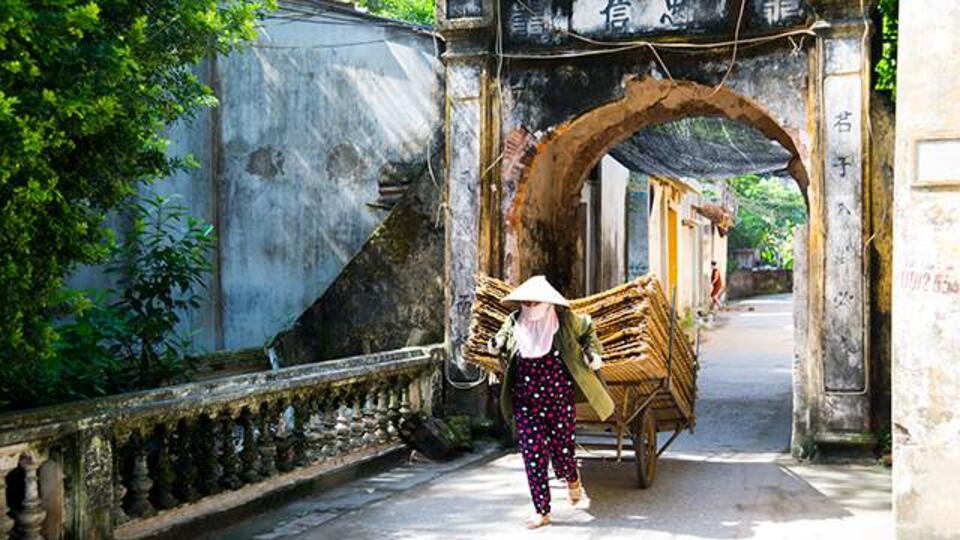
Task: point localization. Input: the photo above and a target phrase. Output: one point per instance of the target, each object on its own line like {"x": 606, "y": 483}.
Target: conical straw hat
{"x": 536, "y": 289}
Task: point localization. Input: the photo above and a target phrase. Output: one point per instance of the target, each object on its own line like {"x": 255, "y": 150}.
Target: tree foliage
{"x": 886, "y": 65}
{"x": 768, "y": 212}
{"x": 124, "y": 339}
{"x": 415, "y": 11}
{"x": 86, "y": 88}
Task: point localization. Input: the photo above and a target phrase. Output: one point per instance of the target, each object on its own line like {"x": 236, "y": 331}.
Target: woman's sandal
{"x": 538, "y": 521}
{"x": 574, "y": 491}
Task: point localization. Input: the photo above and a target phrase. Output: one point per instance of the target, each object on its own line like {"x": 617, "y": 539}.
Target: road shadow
{"x": 705, "y": 499}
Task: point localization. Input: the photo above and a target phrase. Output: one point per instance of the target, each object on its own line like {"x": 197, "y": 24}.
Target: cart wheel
{"x": 645, "y": 448}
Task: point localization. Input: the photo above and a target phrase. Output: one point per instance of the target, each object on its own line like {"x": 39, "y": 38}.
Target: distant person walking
{"x": 716, "y": 283}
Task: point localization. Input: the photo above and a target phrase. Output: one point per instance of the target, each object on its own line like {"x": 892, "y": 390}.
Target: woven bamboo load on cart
{"x": 632, "y": 322}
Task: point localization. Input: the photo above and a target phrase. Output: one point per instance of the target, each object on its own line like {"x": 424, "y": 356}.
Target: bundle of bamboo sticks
{"x": 632, "y": 322}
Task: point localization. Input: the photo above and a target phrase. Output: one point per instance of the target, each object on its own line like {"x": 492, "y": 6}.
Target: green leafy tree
{"x": 415, "y": 11}
{"x": 125, "y": 339}
{"x": 768, "y": 212}
{"x": 886, "y": 64}
{"x": 86, "y": 89}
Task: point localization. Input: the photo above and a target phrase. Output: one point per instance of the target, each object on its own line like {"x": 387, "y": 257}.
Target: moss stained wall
{"x": 389, "y": 294}
{"x": 880, "y": 254}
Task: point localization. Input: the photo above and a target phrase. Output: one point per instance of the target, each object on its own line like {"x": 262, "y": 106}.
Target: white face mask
{"x": 535, "y": 329}
{"x": 536, "y": 311}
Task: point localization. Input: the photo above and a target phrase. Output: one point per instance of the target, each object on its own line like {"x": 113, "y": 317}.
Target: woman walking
{"x": 549, "y": 356}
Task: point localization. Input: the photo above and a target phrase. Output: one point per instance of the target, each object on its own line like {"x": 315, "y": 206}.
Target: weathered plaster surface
{"x": 390, "y": 294}
{"x": 844, "y": 366}
{"x": 926, "y": 287}
{"x": 311, "y": 117}
{"x": 463, "y": 192}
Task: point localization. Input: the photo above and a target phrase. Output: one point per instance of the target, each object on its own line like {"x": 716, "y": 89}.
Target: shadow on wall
{"x": 390, "y": 294}
{"x": 311, "y": 121}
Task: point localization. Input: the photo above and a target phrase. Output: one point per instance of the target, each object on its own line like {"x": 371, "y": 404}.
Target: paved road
{"x": 745, "y": 380}
{"x": 730, "y": 479}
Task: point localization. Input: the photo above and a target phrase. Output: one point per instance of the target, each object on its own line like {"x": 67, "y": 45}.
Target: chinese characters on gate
{"x": 777, "y": 11}
{"x": 528, "y": 19}
{"x": 842, "y": 125}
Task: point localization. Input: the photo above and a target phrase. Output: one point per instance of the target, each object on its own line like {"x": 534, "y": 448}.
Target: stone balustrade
{"x": 131, "y": 465}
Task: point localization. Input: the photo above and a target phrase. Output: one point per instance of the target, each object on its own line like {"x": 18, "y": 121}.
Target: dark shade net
{"x": 702, "y": 148}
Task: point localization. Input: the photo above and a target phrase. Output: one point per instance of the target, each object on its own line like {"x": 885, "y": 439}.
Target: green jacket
{"x": 574, "y": 334}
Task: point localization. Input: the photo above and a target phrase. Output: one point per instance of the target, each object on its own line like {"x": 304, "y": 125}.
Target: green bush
{"x": 124, "y": 339}
{"x": 86, "y": 88}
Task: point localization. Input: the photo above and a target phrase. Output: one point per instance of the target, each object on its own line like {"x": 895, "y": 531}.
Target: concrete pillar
{"x": 926, "y": 265}
{"x": 843, "y": 411}
{"x": 638, "y": 218}
{"x": 466, "y": 25}
{"x": 800, "y": 441}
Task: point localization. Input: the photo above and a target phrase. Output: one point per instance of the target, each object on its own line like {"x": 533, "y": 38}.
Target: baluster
{"x": 205, "y": 450}
{"x": 31, "y": 513}
{"x": 140, "y": 482}
{"x": 163, "y": 473}
{"x": 383, "y": 420}
{"x": 393, "y": 411}
{"x": 284, "y": 437}
{"x": 327, "y": 410}
{"x": 6, "y": 524}
{"x": 328, "y": 418}
{"x": 248, "y": 455}
{"x": 404, "y": 398}
{"x": 186, "y": 486}
{"x": 229, "y": 462}
{"x": 301, "y": 420}
{"x": 356, "y": 419}
{"x": 268, "y": 446}
{"x": 370, "y": 418}
{"x": 314, "y": 429}
{"x": 342, "y": 427}
{"x": 117, "y": 513}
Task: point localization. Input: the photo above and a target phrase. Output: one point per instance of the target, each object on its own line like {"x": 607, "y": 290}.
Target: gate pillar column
{"x": 839, "y": 329}
{"x": 467, "y": 27}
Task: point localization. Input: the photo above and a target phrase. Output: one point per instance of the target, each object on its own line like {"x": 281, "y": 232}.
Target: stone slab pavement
{"x": 730, "y": 479}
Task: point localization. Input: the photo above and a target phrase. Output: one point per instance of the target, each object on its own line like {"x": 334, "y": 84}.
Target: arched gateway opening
{"x": 540, "y": 231}
{"x": 531, "y": 112}
{"x": 546, "y": 231}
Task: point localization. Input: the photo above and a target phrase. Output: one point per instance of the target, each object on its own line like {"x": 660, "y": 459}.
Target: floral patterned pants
{"x": 543, "y": 401}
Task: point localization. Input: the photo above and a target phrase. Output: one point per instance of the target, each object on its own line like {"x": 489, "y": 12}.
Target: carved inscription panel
{"x": 844, "y": 369}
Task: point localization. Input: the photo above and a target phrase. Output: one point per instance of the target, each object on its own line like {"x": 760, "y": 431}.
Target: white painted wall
{"x": 926, "y": 266}
{"x": 613, "y": 235}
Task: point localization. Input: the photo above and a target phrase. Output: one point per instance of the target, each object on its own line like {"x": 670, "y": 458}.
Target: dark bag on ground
{"x": 428, "y": 435}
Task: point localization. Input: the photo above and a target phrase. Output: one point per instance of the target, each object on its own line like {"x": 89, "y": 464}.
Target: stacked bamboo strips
{"x": 632, "y": 323}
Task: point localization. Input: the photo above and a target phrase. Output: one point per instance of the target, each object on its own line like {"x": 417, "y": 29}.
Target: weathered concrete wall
{"x": 743, "y": 283}
{"x": 389, "y": 295}
{"x": 880, "y": 255}
{"x": 926, "y": 287}
{"x": 314, "y": 118}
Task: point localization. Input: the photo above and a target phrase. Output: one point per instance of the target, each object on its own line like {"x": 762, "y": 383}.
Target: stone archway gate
{"x": 538, "y": 90}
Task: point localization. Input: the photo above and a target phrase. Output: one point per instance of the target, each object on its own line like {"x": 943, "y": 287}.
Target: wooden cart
{"x": 648, "y": 401}
{"x": 650, "y": 367}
